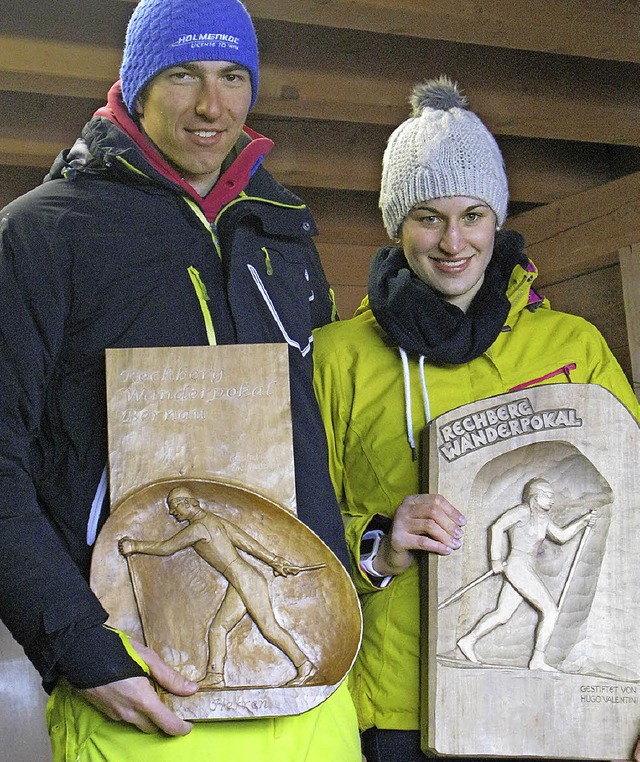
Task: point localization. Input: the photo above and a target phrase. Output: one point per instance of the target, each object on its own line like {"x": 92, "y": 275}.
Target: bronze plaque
{"x": 531, "y": 628}
{"x": 202, "y": 557}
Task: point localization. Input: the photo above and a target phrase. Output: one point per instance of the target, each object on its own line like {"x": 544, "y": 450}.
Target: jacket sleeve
{"x": 334, "y": 391}
{"x": 606, "y": 371}
{"x": 45, "y": 601}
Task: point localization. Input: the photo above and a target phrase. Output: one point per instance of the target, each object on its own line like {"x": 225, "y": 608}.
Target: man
{"x": 159, "y": 227}
{"x": 217, "y": 541}
{"x": 526, "y": 525}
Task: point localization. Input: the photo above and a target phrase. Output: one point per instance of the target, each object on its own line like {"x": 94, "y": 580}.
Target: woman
{"x": 451, "y": 317}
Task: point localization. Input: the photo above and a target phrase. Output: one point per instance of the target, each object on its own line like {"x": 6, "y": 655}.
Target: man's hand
{"x": 135, "y": 701}
{"x": 126, "y": 546}
{"x": 422, "y": 522}
{"x": 590, "y": 518}
{"x": 281, "y": 567}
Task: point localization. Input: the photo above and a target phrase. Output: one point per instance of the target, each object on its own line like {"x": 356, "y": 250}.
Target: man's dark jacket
{"x": 98, "y": 257}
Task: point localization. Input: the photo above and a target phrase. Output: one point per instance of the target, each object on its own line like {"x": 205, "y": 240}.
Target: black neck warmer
{"x": 421, "y": 322}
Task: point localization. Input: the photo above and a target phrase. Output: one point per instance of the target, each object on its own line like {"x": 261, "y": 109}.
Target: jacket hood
{"x": 113, "y": 142}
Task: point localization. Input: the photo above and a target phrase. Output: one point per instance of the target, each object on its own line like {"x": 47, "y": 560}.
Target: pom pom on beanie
{"x": 163, "y": 33}
{"x": 442, "y": 150}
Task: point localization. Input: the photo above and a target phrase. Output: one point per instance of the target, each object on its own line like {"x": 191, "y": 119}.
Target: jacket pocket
{"x": 283, "y": 318}
{"x": 564, "y": 370}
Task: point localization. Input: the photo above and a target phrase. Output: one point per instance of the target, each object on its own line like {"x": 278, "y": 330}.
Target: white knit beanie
{"x": 442, "y": 150}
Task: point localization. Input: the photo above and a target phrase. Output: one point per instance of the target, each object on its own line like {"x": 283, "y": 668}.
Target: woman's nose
{"x": 452, "y": 241}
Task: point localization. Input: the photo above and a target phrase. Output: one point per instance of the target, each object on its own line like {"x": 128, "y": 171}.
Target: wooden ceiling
{"x": 558, "y": 83}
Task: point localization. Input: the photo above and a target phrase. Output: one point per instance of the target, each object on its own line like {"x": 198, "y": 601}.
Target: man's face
{"x": 194, "y": 113}
{"x": 448, "y": 243}
{"x": 180, "y": 506}
{"x": 544, "y": 498}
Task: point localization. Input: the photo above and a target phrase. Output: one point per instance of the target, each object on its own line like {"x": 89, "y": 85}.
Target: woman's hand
{"x": 422, "y": 522}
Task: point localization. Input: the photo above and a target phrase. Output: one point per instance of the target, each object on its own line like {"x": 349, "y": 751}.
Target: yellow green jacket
{"x": 360, "y": 387}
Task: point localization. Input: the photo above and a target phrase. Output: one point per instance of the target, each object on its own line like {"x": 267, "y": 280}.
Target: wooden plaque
{"x": 202, "y": 557}
{"x": 531, "y": 628}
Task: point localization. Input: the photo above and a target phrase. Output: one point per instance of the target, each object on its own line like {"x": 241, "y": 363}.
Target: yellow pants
{"x": 327, "y": 733}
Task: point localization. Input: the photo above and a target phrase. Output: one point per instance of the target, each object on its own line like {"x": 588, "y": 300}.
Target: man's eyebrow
{"x": 235, "y": 67}
{"x": 196, "y": 66}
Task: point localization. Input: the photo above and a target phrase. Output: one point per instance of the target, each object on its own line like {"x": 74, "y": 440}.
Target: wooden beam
{"x": 588, "y": 28}
{"x": 28, "y": 153}
{"x": 315, "y": 154}
{"x": 345, "y": 217}
{"x": 582, "y": 232}
{"x": 597, "y": 297}
{"x": 568, "y": 98}
{"x": 57, "y": 68}
{"x": 545, "y": 222}
{"x": 630, "y": 269}
{"x": 574, "y": 27}
{"x": 330, "y": 77}
{"x": 328, "y": 155}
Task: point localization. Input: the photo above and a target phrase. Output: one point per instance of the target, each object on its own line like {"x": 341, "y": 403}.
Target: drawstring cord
{"x": 425, "y": 395}
{"x": 407, "y": 398}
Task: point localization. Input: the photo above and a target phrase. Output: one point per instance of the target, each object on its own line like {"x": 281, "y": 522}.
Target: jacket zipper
{"x": 274, "y": 313}
{"x": 566, "y": 369}
{"x": 200, "y": 287}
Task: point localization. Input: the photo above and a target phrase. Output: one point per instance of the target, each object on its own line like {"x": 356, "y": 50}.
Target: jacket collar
{"x": 250, "y": 152}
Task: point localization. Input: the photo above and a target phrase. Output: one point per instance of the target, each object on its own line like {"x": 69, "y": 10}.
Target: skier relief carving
{"x": 515, "y": 541}
{"x": 219, "y": 543}
{"x": 538, "y": 611}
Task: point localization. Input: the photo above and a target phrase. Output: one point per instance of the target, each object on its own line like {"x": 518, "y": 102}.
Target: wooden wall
{"x": 557, "y": 82}
{"x": 586, "y": 247}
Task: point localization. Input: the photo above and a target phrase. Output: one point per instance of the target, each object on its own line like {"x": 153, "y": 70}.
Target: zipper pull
{"x": 267, "y": 261}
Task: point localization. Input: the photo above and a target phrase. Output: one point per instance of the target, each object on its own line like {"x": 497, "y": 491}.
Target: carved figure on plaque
{"x": 218, "y": 542}
{"x": 550, "y": 619}
{"x": 526, "y": 526}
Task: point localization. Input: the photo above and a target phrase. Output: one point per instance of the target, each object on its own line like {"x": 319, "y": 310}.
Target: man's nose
{"x": 209, "y": 102}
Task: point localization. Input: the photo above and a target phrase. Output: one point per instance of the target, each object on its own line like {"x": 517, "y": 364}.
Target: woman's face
{"x": 448, "y": 243}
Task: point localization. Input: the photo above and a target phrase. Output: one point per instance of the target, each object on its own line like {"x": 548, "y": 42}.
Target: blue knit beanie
{"x": 163, "y": 33}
